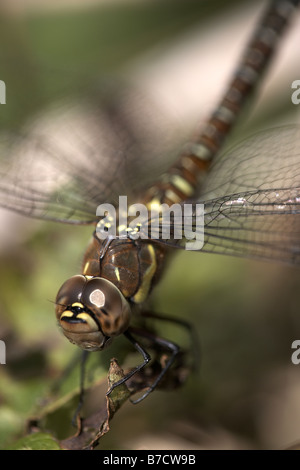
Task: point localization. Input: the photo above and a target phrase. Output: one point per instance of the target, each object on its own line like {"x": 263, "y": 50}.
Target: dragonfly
{"x": 250, "y": 199}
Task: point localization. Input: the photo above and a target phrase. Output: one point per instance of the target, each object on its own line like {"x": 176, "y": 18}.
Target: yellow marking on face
{"x": 143, "y": 291}
{"x": 67, "y": 313}
{"x": 77, "y": 304}
{"x": 90, "y": 324}
{"x": 181, "y": 184}
{"x": 89, "y": 320}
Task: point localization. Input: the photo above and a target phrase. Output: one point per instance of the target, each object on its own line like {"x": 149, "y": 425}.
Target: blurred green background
{"x": 245, "y": 312}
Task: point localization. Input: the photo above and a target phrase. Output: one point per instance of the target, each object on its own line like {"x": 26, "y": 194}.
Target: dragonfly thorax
{"x": 132, "y": 266}
{"x": 91, "y": 311}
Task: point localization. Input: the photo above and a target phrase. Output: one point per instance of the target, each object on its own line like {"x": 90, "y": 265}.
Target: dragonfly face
{"x": 91, "y": 311}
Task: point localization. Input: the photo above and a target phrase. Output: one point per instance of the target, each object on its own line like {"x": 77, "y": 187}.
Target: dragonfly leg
{"x": 166, "y": 345}
{"x": 84, "y": 356}
{"x": 184, "y": 324}
{"x": 146, "y": 358}
{"x": 158, "y": 342}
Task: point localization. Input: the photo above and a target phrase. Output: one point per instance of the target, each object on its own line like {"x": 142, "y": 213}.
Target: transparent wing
{"x": 251, "y": 201}
{"x": 75, "y": 157}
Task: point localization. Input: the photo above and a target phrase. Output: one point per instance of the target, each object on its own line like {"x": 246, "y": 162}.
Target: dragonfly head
{"x": 91, "y": 311}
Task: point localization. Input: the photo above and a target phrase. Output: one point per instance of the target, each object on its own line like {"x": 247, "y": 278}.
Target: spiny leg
{"x": 183, "y": 323}
{"x": 146, "y": 358}
{"x": 84, "y": 356}
{"x": 166, "y": 345}
{"x": 158, "y": 341}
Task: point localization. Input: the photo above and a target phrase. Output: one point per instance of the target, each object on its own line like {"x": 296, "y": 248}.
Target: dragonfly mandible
{"x": 251, "y": 205}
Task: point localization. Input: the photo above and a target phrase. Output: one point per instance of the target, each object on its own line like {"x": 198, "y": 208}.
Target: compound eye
{"x": 71, "y": 291}
{"x": 108, "y": 305}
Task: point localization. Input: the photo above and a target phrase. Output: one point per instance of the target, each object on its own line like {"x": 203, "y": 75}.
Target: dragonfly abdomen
{"x": 187, "y": 174}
